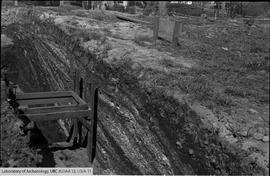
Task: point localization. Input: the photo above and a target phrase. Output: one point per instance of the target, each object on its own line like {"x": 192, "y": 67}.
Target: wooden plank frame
{"x": 80, "y": 109}
{"x": 40, "y": 95}
{"x": 77, "y": 111}
{"x": 58, "y": 115}
{"x": 40, "y": 110}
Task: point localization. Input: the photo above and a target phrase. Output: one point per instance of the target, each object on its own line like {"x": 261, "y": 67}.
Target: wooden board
{"x": 54, "y": 109}
{"x": 77, "y": 98}
{"x": 57, "y": 115}
{"x": 38, "y": 95}
{"x": 59, "y": 145}
{"x": 166, "y": 29}
{"x": 76, "y": 112}
{"x": 43, "y": 101}
{"x": 132, "y": 19}
{"x": 48, "y": 97}
{"x": 85, "y": 123}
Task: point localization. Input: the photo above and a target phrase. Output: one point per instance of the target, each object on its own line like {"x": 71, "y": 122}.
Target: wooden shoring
{"x": 63, "y": 100}
{"x": 79, "y": 123}
{"x": 91, "y": 141}
{"x": 77, "y": 112}
{"x": 75, "y": 121}
{"x": 39, "y": 110}
{"x": 40, "y": 95}
{"x": 58, "y": 115}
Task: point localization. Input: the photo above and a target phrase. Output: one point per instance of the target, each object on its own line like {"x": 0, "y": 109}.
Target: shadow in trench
{"x": 37, "y": 141}
{"x": 47, "y": 159}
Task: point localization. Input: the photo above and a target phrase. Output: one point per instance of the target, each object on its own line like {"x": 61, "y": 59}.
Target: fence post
{"x": 177, "y": 29}
{"x": 155, "y": 30}
{"x": 75, "y": 80}
{"x": 75, "y": 121}
{"x": 79, "y": 122}
{"x": 91, "y": 141}
{"x": 81, "y": 88}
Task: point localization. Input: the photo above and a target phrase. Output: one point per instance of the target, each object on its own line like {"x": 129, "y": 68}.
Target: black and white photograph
{"x": 134, "y": 87}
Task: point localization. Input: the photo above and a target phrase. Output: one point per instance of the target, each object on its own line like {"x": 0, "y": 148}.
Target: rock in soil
{"x": 191, "y": 152}
{"x": 258, "y": 136}
{"x": 265, "y": 139}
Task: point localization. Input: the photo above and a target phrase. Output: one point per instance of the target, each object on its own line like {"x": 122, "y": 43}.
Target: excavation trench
{"x": 140, "y": 129}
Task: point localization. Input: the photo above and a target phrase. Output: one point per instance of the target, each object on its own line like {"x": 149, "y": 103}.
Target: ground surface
{"x": 203, "y": 105}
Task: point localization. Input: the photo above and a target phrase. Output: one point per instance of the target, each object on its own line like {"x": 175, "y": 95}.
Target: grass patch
{"x": 167, "y": 62}
{"x": 257, "y": 63}
{"x": 202, "y": 89}
{"x": 140, "y": 40}
{"x": 235, "y": 91}
{"x": 240, "y": 72}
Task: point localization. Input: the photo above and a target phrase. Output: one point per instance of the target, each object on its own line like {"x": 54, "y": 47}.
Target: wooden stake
{"x": 75, "y": 121}
{"x": 92, "y": 139}
{"x": 75, "y": 131}
{"x": 80, "y": 123}
{"x": 81, "y": 88}
{"x": 89, "y": 146}
{"x": 75, "y": 81}
{"x": 176, "y": 31}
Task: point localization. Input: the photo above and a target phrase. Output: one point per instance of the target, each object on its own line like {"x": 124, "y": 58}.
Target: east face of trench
{"x": 134, "y": 136}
